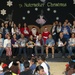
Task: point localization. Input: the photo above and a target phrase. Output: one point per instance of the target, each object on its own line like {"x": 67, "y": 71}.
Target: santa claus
{"x": 34, "y": 32}
{"x": 45, "y": 34}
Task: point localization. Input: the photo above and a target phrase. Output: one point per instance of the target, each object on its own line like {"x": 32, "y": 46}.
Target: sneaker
{"x": 46, "y": 56}
{"x": 52, "y": 55}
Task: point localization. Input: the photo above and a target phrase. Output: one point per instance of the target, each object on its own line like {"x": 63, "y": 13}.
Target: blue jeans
{"x": 1, "y": 51}
{"x": 70, "y": 49}
{"x": 22, "y": 49}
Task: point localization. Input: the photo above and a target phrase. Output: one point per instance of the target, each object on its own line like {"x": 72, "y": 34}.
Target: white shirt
{"x": 45, "y": 67}
{"x": 7, "y": 43}
{"x": 71, "y": 41}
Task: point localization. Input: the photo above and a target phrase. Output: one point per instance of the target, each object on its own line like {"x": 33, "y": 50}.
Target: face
{"x": 61, "y": 35}
{"x": 65, "y": 23}
{"x": 22, "y": 36}
{"x": 41, "y": 72}
{"x": 39, "y": 61}
{"x": 31, "y": 37}
{"x": 50, "y": 36}
{"x": 66, "y": 20}
{"x": 14, "y": 25}
{"x": 8, "y": 37}
{"x": 14, "y": 36}
{"x": 24, "y": 24}
{"x": 19, "y": 25}
{"x": 54, "y": 24}
{"x": 40, "y": 35}
{"x": 6, "y": 25}
{"x": 73, "y": 35}
{"x": 46, "y": 29}
{"x": 73, "y": 22}
{"x": 60, "y": 23}
{"x": 2, "y": 24}
{"x": 0, "y": 35}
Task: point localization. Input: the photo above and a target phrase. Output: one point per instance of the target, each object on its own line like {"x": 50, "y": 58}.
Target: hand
{"x": 73, "y": 45}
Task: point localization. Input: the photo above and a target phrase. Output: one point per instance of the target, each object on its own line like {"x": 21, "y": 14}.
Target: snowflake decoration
{"x": 48, "y": 9}
{"x": 73, "y": 1}
{"x": 23, "y": 18}
{"x": 28, "y": 11}
{"x": 54, "y": 11}
{"x": 42, "y": 0}
{"x": 3, "y": 12}
{"x": 9, "y": 3}
{"x": 36, "y": 9}
{"x": 57, "y": 18}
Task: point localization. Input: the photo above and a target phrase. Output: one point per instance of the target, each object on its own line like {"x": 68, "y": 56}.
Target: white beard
{"x": 34, "y": 32}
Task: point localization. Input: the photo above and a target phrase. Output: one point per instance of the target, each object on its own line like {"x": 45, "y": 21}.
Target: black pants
{"x": 29, "y": 51}
{"x": 15, "y": 51}
{"x": 62, "y": 49}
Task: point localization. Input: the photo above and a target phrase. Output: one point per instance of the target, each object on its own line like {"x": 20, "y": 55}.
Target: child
{"x": 32, "y": 65}
{"x": 39, "y": 70}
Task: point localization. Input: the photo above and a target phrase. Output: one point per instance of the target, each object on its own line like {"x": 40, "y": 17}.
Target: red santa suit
{"x": 25, "y": 31}
{"x": 45, "y": 35}
{"x": 34, "y": 32}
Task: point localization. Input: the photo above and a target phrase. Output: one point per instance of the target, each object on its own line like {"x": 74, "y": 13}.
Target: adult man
{"x": 66, "y": 31}
{"x": 61, "y": 43}
{"x": 50, "y": 44}
{"x": 22, "y": 44}
{"x": 39, "y": 44}
{"x": 43, "y": 63}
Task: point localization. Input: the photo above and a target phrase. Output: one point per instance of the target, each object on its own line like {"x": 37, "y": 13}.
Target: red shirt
{"x": 45, "y": 36}
{"x": 23, "y": 31}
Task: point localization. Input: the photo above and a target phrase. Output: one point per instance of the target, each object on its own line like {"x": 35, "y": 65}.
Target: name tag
{"x": 16, "y": 44}
{"x": 38, "y": 44}
{"x": 25, "y": 31}
{"x": 60, "y": 44}
{"x": 22, "y": 44}
{"x": 8, "y": 45}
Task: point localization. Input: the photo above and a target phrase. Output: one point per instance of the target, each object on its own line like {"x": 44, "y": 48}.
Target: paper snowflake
{"x": 48, "y": 9}
{"x": 36, "y": 9}
{"x": 3, "y": 12}
{"x": 57, "y": 18}
{"x": 54, "y": 11}
{"x": 73, "y": 1}
{"x": 9, "y": 3}
{"x": 28, "y": 11}
{"x": 42, "y": 0}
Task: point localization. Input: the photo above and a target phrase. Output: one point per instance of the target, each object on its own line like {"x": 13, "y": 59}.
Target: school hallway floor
{"x": 57, "y": 66}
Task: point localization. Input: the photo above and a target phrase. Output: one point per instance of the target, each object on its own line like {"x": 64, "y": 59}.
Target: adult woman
{"x": 7, "y": 46}
{"x": 30, "y": 45}
{"x": 14, "y": 42}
